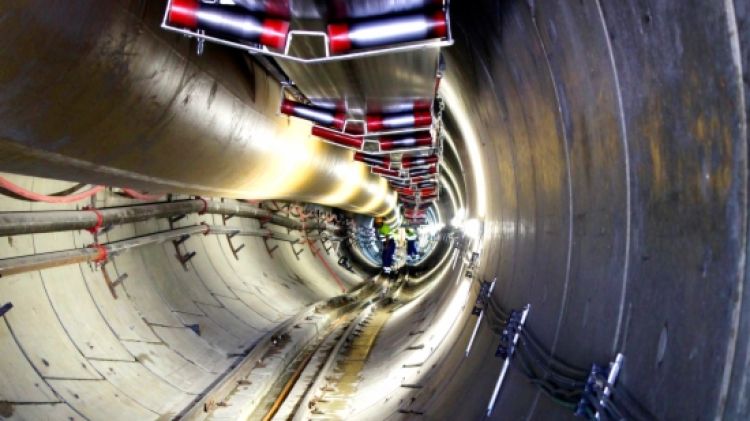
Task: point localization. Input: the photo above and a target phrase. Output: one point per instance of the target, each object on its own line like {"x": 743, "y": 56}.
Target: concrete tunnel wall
{"x": 614, "y": 147}
{"x": 69, "y": 349}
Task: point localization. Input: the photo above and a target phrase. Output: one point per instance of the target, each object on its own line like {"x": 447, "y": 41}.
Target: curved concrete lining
{"x": 602, "y": 144}
{"x": 71, "y": 347}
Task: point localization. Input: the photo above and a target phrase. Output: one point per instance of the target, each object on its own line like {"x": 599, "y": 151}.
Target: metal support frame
{"x": 184, "y": 258}
{"x": 235, "y": 250}
{"x": 174, "y": 219}
{"x": 599, "y": 386}
{"x": 254, "y": 48}
{"x": 297, "y": 253}
{"x": 483, "y": 298}
{"x": 408, "y": 178}
{"x": 22, "y": 264}
{"x": 32, "y": 222}
{"x": 229, "y": 236}
{"x": 323, "y": 240}
{"x": 111, "y": 285}
{"x": 270, "y": 250}
{"x": 434, "y": 127}
{"x": 506, "y": 363}
{"x": 372, "y": 145}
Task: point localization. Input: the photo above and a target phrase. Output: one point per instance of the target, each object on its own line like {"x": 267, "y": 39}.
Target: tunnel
{"x": 194, "y": 193}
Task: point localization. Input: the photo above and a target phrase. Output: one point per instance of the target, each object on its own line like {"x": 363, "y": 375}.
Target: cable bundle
{"x": 573, "y": 388}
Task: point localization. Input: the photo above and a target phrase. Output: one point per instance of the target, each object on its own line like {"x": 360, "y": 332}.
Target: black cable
{"x": 628, "y": 412}
{"x": 567, "y": 369}
{"x": 562, "y": 402}
{"x": 564, "y": 389}
{"x": 489, "y": 304}
{"x": 572, "y": 381}
{"x": 497, "y": 308}
{"x": 494, "y": 318}
{"x": 547, "y": 368}
{"x": 570, "y": 371}
{"x": 570, "y": 397}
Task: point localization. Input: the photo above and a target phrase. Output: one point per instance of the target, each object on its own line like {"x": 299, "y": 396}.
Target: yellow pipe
{"x": 117, "y": 101}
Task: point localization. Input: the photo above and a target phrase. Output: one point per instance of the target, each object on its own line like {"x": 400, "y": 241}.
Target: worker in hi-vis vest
{"x": 389, "y": 247}
{"x": 412, "y": 249}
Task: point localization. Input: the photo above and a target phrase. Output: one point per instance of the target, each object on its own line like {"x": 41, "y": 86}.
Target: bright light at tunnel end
{"x": 471, "y": 227}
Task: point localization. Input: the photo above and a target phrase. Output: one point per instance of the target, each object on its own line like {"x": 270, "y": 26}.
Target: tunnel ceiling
{"x": 600, "y": 147}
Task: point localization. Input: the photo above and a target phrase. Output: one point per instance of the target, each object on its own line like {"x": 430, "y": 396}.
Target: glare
{"x": 458, "y": 219}
{"x": 472, "y": 228}
{"x": 433, "y": 229}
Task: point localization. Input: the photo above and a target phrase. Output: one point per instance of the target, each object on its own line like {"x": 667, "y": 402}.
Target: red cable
{"x": 134, "y": 194}
{"x": 328, "y": 267}
{"x": 205, "y": 206}
{"x": 99, "y": 219}
{"x": 36, "y": 197}
{"x": 103, "y": 254}
{"x": 265, "y": 219}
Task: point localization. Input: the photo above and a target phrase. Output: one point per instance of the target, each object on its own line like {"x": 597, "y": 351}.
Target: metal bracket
{"x": 598, "y": 387}
{"x": 175, "y": 219}
{"x": 372, "y": 145}
{"x": 270, "y": 250}
{"x": 508, "y": 341}
{"x": 483, "y": 298}
{"x": 200, "y": 46}
{"x": 294, "y": 250}
{"x": 235, "y": 250}
{"x": 111, "y": 285}
{"x": 181, "y": 240}
{"x": 183, "y": 258}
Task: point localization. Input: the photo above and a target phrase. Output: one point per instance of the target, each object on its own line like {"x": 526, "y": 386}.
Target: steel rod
{"x": 21, "y": 264}
{"x": 16, "y": 223}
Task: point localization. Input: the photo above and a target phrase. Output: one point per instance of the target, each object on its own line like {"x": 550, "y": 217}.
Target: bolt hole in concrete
{"x": 661, "y": 347}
